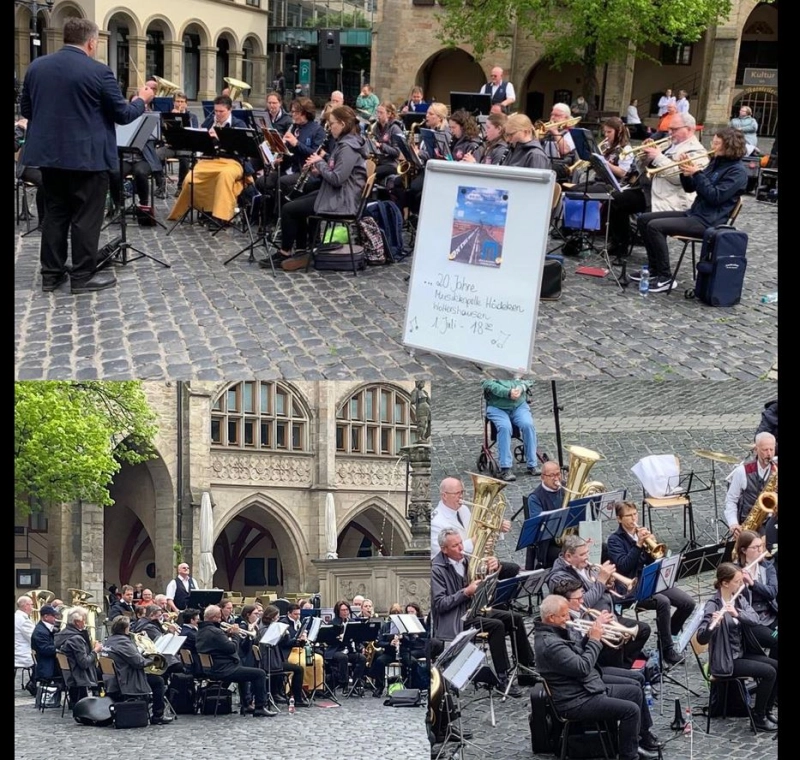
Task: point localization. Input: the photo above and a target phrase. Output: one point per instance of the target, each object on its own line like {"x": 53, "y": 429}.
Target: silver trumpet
{"x": 615, "y": 635}
{"x": 242, "y": 632}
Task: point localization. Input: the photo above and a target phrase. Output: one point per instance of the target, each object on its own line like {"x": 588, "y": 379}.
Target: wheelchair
{"x": 487, "y": 461}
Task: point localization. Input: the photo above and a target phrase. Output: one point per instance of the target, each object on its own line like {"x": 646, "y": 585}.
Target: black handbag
{"x": 133, "y": 714}
{"x": 404, "y": 698}
{"x": 216, "y": 700}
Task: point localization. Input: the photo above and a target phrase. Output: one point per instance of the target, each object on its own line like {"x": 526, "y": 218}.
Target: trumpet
{"x": 635, "y": 150}
{"x": 628, "y": 583}
{"x": 615, "y": 634}
{"x": 580, "y": 164}
{"x": 675, "y": 164}
{"x": 651, "y": 545}
{"x": 241, "y": 632}
{"x": 546, "y": 126}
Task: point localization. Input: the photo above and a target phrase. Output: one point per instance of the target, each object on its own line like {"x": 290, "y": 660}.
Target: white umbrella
{"x": 330, "y": 528}
{"x": 207, "y": 567}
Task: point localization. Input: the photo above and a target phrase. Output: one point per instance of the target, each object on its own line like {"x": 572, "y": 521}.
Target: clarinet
{"x": 305, "y": 172}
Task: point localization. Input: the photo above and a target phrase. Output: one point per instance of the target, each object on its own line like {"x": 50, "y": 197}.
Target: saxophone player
{"x": 747, "y": 481}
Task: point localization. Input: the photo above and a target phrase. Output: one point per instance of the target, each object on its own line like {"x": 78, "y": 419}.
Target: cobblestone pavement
{"x": 370, "y": 731}
{"x": 201, "y": 319}
{"x": 623, "y": 421}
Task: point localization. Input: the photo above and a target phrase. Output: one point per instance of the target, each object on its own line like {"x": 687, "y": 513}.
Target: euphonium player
{"x": 276, "y": 659}
{"x": 626, "y": 549}
{"x": 387, "y": 651}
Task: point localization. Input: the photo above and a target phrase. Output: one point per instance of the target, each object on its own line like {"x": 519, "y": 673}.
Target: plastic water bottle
{"x": 687, "y": 726}
{"x": 644, "y": 283}
{"x": 291, "y": 705}
{"x": 648, "y": 694}
{"x": 769, "y": 298}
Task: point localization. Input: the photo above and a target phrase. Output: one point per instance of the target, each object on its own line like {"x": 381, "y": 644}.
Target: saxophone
{"x": 766, "y": 505}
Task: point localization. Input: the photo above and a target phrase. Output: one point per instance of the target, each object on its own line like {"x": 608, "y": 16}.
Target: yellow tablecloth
{"x": 217, "y": 183}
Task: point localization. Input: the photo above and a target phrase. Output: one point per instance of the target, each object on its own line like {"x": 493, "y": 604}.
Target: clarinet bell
{"x": 678, "y": 721}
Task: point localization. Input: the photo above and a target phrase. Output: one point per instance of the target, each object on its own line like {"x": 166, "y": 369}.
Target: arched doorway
{"x": 450, "y": 70}
{"x": 763, "y": 102}
{"x": 544, "y": 86}
{"x": 375, "y": 530}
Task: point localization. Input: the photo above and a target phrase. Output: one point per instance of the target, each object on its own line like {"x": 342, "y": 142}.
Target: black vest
{"x": 500, "y": 95}
{"x": 754, "y": 487}
{"x": 181, "y": 599}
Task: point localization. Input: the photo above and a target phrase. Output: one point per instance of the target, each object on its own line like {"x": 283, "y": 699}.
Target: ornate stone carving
{"x": 415, "y": 590}
{"x": 348, "y": 589}
{"x": 261, "y": 468}
{"x": 360, "y": 473}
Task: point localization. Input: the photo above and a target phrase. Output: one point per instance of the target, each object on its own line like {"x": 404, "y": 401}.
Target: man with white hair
{"x": 23, "y": 630}
{"x": 73, "y": 641}
{"x": 501, "y": 90}
{"x": 558, "y": 142}
{"x": 747, "y": 481}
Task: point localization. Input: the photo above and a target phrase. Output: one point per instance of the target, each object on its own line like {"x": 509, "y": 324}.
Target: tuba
{"x": 40, "y": 597}
{"x": 158, "y": 664}
{"x": 165, "y": 88}
{"x": 488, "y": 508}
{"x": 581, "y": 461}
{"x": 237, "y": 88}
{"x": 79, "y": 599}
{"x": 766, "y": 505}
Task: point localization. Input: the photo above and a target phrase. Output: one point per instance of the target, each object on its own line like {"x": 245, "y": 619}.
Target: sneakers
{"x": 663, "y": 285}
{"x": 295, "y": 262}
{"x": 636, "y": 275}
{"x": 160, "y": 720}
{"x": 671, "y": 657}
{"x": 536, "y": 471}
{"x": 507, "y": 475}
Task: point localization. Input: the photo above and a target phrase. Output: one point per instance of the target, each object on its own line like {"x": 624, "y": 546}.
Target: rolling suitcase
{"x": 722, "y": 266}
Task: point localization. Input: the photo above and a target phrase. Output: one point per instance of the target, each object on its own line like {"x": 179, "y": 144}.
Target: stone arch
{"x": 125, "y": 17}
{"x": 229, "y": 35}
{"x": 450, "y": 70}
{"x": 258, "y": 46}
{"x": 286, "y": 531}
{"x": 196, "y": 26}
{"x": 162, "y": 23}
{"x": 536, "y": 94}
{"x": 371, "y": 517}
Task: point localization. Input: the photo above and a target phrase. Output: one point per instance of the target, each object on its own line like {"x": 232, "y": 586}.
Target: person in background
{"x": 416, "y": 103}
{"x": 664, "y": 101}
{"x": 633, "y": 121}
{"x": 367, "y": 103}
{"x": 579, "y": 107}
{"x": 746, "y": 124}
{"x": 682, "y": 102}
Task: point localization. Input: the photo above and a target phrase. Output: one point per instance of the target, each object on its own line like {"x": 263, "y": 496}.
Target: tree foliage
{"x": 588, "y": 32}
{"x": 70, "y": 439}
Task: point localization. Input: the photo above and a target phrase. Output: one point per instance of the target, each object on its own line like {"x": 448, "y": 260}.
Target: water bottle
{"x": 291, "y": 705}
{"x": 769, "y": 298}
{"x": 644, "y": 283}
{"x": 648, "y": 694}
{"x": 687, "y": 726}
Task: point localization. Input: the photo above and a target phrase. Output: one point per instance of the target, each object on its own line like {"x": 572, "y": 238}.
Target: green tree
{"x": 588, "y": 32}
{"x": 70, "y": 438}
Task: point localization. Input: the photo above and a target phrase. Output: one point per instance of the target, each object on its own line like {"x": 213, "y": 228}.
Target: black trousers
{"x": 669, "y": 626}
{"x": 294, "y": 222}
{"x": 763, "y": 635}
{"x": 74, "y": 209}
{"x": 141, "y": 171}
{"x": 654, "y": 228}
{"x": 378, "y": 669}
{"x": 34, "y": 176}
{"x": 257, "y": 679}
{"x": 623, "y": 677}
{"x": 340, "y": 662}
{"x": 621, "y": 703}
{"x": 295, "y": 679}
{"x": 765, "y": 671}
{"x": 158, "y": 686}
{"x": 625, "y": 203}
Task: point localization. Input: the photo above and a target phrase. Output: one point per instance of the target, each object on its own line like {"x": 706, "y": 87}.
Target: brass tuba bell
{"x": 581, "y": 461}
{"x": 237, "y": 87}
{"x": 165, "y": 88}
{"x": 40, "y": 597}
{"x": 487, "y": 510}
{"x": 158, "y": 664}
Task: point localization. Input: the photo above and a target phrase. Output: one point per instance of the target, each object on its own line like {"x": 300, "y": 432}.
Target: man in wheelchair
{"x": 507, "y": 407}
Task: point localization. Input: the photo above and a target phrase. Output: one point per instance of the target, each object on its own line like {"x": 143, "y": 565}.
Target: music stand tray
{"x": 412, "y": 118}
{"x": 702, "y": 560}
{"x": 526, "y": 583}
{"x": 483, "y": 598}
{"x": 546, "y": 525}
{"x": 475, "y": 103}
{"x": 199, "y": 599}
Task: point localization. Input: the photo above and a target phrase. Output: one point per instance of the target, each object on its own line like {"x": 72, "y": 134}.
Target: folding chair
{"x": 324, "y": 223}
{"x": 687, "y": 241}
{"x": 63, "y": 666}
{"x": 207, "y": 663}
{"x": 699, "y": 649}
{"x": 45, "y": 683}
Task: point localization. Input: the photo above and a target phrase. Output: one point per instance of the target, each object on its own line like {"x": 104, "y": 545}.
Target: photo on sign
{"x": 479, "y": 225}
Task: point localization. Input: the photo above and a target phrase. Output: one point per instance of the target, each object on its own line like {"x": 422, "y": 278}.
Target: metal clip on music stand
{"x": 130, "y": 137}
{"x": 192, "y": 141}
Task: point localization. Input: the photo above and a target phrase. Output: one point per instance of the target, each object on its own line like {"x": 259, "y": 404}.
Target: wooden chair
{"x": 687, "y": 241}
{"x": 63, "y": 666}
{"x": 324, "y": 223}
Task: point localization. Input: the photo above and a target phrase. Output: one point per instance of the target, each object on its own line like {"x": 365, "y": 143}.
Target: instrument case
{"x": 339, "y": 260}
{"x": 721, "y": 268}
{"x": 133, "y": 714}
{"x": 552, "y": 277}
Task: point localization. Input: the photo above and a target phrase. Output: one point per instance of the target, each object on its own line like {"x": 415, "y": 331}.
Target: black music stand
{"x": 411, "y": 118}
{"x": 482, "y": 600}
{"x": 131, "y": 139}
{"x": 239, "y": 145}
{"x": 706, "y": 559}
{"x": 360, "y": 632}
{"x": 193, "y": 142}
{"x": 199, "y": 599}
{"x": 327, "y": 636}
{"x": 474, "y": 103}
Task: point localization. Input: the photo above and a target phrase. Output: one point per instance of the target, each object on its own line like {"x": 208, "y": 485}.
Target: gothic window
{"x": 375, "y": 421}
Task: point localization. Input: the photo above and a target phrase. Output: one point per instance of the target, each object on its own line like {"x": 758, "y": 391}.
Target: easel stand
{"x": 119, "y": 253}
{"x": 193, "y": 142}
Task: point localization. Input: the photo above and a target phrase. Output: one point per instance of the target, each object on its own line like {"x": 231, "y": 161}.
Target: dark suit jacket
{"x": 43, "y": 643}
{"x": 224, "y": 650}
{"x": 72, "y": 103}
{"x": 235, "y": 123}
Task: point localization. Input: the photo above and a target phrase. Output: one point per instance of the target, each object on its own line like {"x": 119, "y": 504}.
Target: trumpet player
{"x": 558, "y": 142}
{"x": 578, "y": 691}
{"x": 629, "y": 553}
{"x": 573, "y": 564}
{"x": 718, "y": 187}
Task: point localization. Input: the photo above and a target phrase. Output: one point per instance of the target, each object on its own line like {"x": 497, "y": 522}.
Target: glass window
{"x": 297, "y": 435}
{"x": 216, "y": 430}
{"x": 248, "y": 400}
{"x": 355, "y": 439}
{"x": 280, "y": 435}
{"x": 386, "y": 438}
{"x": 341, "y": 432}
{"x": 265, "y": 397}
{"x": 371, "y": 437}
{"x": 233, "y": 400}
{"x": 249, "y": 433}
{"x": 233, "y": 432}
{"x": 280, "y": 404}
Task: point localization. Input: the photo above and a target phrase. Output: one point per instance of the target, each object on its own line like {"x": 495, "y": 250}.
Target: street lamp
{"x": 34, "y": 6}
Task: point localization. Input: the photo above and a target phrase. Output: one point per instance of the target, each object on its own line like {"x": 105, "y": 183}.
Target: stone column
{"x": 91, "y": 521}
{"x": 173, "y": 62}
{"x": 207, "y": 86}
{"x": 719, "y": 78}
{"x": 137, "y": 50}
{"x": 418, "y": 456}
{"x": 260, "y": 84}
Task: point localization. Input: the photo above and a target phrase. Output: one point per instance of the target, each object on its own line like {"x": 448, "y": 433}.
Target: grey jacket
{"x": 595, "y": 595}
{"x": 448, "y": 600}
{"x": 129, "y": 663}
{"x": 82, "y": 664}
{"x": 343, "y": 177}
{"x": 568, "y": 666}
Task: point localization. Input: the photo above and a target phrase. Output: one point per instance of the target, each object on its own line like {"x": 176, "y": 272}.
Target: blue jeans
{"x": 503, "y": 420}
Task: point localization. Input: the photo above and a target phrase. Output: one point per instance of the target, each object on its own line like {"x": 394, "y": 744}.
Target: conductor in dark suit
{"x": 72, "y": 102}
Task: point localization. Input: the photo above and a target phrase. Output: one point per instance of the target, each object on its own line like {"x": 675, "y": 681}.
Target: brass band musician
{"x": 761, "y": 587}
{"x": 299, "y": 651}
{"x": 748, "y": 480}
{"x": 495, "y": 149}
{"x": 339, "y": 653}
{"x": 380, "y": 134}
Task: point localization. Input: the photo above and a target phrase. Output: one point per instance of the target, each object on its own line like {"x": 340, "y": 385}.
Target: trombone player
{"x": 573, "y": 564}
{"x": 630, "y": 550}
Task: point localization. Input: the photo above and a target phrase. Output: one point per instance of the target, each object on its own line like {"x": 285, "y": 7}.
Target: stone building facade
{"x": 268, "y": 454}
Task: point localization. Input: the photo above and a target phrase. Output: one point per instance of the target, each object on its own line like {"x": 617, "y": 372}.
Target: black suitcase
{"x": 339, "y": 260}
{"x": 722, "y": 266}
{"x": 552, "y": 277}
{"x": 217, "y": 700}
{"x": 545, "y": 726}
{"x": 133, "y": 714}
{"x": 182, "y": 695}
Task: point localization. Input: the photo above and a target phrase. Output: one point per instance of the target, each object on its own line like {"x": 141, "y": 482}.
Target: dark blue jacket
{"x": 72, "y": 102}
{"x": 623, "y": 552}
{"x": 719, "y": 187}
{"x": 542, "y": 500}
{"x": 43, "y": 643}
{"x": 309, "y": 137}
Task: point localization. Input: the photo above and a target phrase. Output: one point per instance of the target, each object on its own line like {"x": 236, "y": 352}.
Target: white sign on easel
{"x": 478, "y": 261}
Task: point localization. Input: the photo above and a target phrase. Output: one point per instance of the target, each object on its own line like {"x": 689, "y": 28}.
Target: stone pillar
{"x": 207, "y": 86}
{"x": 418, "y": 456}
{"x": 719, "y": 78}
{"x": 92, "y": 555}
{"x": 102, "y": 45}
{"x": 260, "y": 83}
{"x": 173, "y": 62}
{"x": 325, "y": 477}
{"x": 137, "y": 50}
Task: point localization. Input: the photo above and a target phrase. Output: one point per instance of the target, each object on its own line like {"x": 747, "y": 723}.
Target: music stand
{"x": 313, "y": 631}
{"x": 474, "y": 103}
{"x": 327, "y": 636}
{"x": 193, "y": 142}
{"x": 412, "y": 118}
{"x": 199, "y": 599}
{"x": 442, "y": 143}
{"x": 245, "y": 115}
{"x": 401, "y": 143}
{"x": 131, "y": 139}
{"x": 482, "y": 600}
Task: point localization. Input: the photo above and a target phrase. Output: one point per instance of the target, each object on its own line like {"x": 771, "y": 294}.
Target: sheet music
{"x": 313, "y": 629}
{"x": 169, "y": 643}
{"x": 611, "y": 175}
{"x": 668, "y": 573}
{"x": 273, "y": 634}
{"x": 463, "y": 666}
{"x": 689, "y": 628}
{"x": 407, "y": 623}
{"x": 269, "y": 156}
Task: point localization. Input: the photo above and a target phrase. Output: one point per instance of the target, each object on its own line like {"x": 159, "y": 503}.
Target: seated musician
{"x": 435, "y": 118}
{"x": 747, "y": 481}
{"x": 465, "y": 134}
{"x": 578, "y": 691}
{"x": 150, "y": 623}
{"x": 226, "y": 608}
{"x": 495, "y": 149}
{"x": 339, "y": 654}
{"x": 190, "y": 624}
{"x": 180, "y": 104}
{"x": 573, "y": 564}
{"x": 367, "y": 609}
{"x": 626, "y": 549}
{"x": 416, "y": 103}
{"x": 123, "y": 605}
{"x": 557, "y": 141}
{"x": 129, "y": 664}
{"x": 572, "y": 591}
{"x": 761, "y": 587}
{"x": 451, "y": 593}
{"x": 385, "y": 152}
{"x": 616, "y": 151}
{"x": 223, "y": 648}
{"x": 296, "y": 650}
{"x": 732, "y": 650}
{"x": 387, "y": 651}
{"x": 43, "y": 645}
{"x": 719, "y": 186}
{"x": 74, "y": 642}
{"x": 218, "y": 182}
{"x": 274, "y": 662}
{"x": 663, "y": 191}
{"x": 413, "y": 651}
{"x": 336, "y": 101}
{"x": 278, "y": 118}
{"x": 526, "y": 150}
{"x": 451, "y": 512}
{"x": 342, "y": 174}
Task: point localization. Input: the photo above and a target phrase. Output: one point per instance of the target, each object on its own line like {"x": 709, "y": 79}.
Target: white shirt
{"x": 633, "y": 115}
{"x": 551, "y": 143}
{"x": 682, "y": 105}
{"x": 738, "y": 482}
{"x": 172, "y": 586}
{"x": 459, "y": 567}
{"x": 444, "y": 517}
{"x": 663, "y": 102}
{"x": 23, "y": 630}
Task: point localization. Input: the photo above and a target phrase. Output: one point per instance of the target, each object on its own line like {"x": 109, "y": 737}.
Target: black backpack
{"x": 182, "y": 694}
{"x": 390, "y": 221}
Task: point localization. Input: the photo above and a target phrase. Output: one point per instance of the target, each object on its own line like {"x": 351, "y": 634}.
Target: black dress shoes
{"x": 763, "y": 723}
{"x": 160, "y": 720}
{"x": 647, "y": 754}
{"x": 264, "y": 712}
{"x": 98, "y": 281}
{"x": 650, "y": 742}
{"x": 49, "y": 284}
